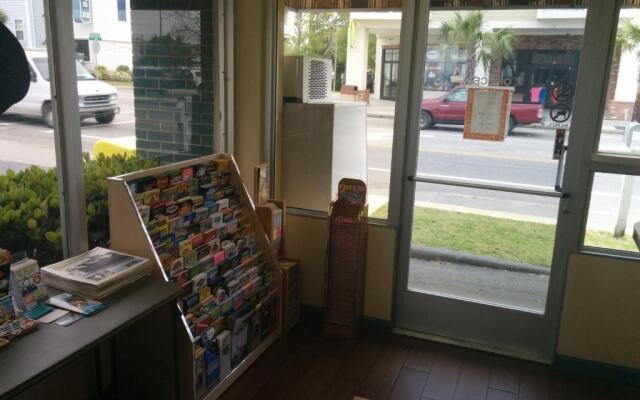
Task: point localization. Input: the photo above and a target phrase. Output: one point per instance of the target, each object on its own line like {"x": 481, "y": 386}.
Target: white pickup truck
{"x": 97, "y": 99}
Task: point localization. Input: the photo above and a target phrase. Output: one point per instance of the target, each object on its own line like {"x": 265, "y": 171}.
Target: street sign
{"x": 95, "y": 36}
{"x": 560, "y": 113}
{"x": 562, "y": 92}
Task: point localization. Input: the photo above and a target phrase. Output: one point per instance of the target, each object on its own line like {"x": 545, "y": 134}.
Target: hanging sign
{"x": 82, "y": 11}
{"x": 487, "y": 112}
{"x": 558, "y": 147}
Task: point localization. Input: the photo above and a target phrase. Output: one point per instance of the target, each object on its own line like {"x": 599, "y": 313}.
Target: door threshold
{"x": 473, "y": 345}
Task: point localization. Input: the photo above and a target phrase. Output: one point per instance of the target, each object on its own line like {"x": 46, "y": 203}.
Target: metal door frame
{"x": 498, "y": 329}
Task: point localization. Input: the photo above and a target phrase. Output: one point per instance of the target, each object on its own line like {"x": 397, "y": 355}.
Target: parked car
{"x": 97, "y": 99}
{"x": 450, "y": 109}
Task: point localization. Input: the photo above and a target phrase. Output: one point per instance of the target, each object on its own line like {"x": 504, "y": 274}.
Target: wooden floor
{"x": 306, "y": 365}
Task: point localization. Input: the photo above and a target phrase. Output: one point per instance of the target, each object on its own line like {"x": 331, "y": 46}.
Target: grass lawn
{"x": 502, "y": 238}
{"x": 120, "y": 84}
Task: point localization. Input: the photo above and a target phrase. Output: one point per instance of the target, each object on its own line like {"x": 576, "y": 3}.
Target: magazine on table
{"x": 76, "y": 304}
{"x": 98, "y": 267}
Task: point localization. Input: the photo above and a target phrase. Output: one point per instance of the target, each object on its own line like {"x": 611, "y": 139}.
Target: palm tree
{"x": 628, "y": 39}
{"x": 492, "y": 47}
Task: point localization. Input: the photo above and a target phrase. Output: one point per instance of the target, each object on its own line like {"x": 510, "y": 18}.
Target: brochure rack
{"x": 346, "y": 259}
{"x": 129, "y": 235}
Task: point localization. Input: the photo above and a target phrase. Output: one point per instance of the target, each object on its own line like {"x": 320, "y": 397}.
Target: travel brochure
{"x": 76, "y": 304}
{"x": 206, "y": 242}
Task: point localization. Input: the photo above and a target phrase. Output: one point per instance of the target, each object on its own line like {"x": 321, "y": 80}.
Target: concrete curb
{"x": 433, "y": 253}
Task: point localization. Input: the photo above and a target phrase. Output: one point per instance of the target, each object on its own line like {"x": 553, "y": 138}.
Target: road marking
{"x": 93, "y": 137}
{"x": 476, "y": 180}
{"x": 388, "y": 171}
{"x": 96, "y": 126}
{"x": 424, "y": 149}
{"x": 485, "y": 155}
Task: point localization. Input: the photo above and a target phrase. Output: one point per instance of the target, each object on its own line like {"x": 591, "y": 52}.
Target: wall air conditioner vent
{"x": 307, "y": 79}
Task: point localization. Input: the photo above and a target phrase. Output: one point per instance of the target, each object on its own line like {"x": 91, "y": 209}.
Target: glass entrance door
{"x": 485, "y": 206}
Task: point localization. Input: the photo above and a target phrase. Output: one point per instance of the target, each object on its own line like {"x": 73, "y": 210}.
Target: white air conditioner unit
{"x": 307, "y": 79}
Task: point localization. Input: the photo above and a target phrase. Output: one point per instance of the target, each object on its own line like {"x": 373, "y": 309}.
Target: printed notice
{"x": 487, "y": 113}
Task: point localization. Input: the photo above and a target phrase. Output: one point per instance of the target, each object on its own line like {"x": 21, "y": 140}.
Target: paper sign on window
{"x": 487, "y": 113}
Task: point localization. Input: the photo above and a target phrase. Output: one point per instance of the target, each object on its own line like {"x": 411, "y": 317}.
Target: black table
{"x": 30, "y": 358}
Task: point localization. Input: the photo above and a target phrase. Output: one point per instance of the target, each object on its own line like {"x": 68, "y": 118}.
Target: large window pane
{"x": 614, "y": 213}
{"x": 363, "y": 51}
{"x": 620, "y": 131}
{"x": 29, "y": 199}
{"x": 148, "y": 97}
{"x": 475, "y": 234}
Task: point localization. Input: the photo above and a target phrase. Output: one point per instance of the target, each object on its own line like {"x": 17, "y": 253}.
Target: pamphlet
{"x": 38, "y": 311}
{"x": 6, "y": 309}
{"x": 69, "y": 319}
{"x": 77, "y": 304}
{"x": 26, "y": 284}
{"x": 53, "y": 316}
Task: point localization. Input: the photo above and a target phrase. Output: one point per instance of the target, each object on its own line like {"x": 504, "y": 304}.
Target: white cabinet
{"x": 321, "y": 144}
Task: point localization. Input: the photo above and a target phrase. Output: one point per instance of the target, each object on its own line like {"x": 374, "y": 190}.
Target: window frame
{"x": 606, "y": 162}
{"x": 66, "y": 118}
{"x": 19, "y": 31}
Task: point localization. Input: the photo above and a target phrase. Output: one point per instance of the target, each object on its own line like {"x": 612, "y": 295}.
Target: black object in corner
{"x": 14, "y": 70}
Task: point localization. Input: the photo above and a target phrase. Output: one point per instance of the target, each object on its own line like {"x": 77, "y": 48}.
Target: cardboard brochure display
{"x": 129, "y": 235}
{"x": 346, "y": 259}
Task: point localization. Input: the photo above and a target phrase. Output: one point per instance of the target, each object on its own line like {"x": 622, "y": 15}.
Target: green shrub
{"x": 104, "y": 74}
{"x": 100, "y": 71}
{"x": 30, "y": 206}
{"x": 118, "y": 76}
{"x": 123, "y": 68}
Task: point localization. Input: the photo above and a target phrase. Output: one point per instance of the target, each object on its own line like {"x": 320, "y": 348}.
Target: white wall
{"x": 115, "y": 47}
{"x": 627, "y": 85}
{"x": 357, "y": 50}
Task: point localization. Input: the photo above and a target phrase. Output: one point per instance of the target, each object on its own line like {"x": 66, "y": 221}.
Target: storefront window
{"x": 614, "y": 213}
{"x": 620, "y": 127}
{"x": 29, "y": 198}
{"x": 149, "y": 98}
{"x": 362, "y": 70}
{"x": 445, "y": 68}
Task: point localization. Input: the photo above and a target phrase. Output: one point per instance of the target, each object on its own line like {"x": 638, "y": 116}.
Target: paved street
{"x": 523, "y": 159}
{"x": 25, "y": 141}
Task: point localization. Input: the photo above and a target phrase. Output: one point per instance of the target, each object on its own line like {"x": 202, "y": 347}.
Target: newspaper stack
{"x": 96, "y": 273}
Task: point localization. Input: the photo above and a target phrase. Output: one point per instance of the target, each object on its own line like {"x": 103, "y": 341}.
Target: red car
{"x": 450, "y": 109}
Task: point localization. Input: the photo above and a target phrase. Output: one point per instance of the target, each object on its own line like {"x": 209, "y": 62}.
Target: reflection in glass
{"x": 614, "y": 212}
{"x": 173, "y": 82}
